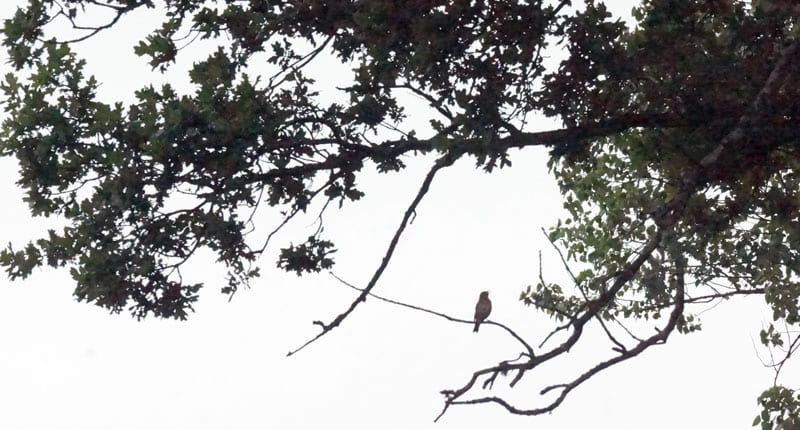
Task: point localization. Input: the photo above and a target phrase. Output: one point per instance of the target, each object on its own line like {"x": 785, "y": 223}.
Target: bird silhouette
{"x": 482, "y": 309}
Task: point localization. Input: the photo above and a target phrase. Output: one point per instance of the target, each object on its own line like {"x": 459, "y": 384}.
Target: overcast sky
{"x": 68, "y": 365}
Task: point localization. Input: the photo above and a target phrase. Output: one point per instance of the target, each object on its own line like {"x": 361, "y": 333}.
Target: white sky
{"x": 67, "y": 365}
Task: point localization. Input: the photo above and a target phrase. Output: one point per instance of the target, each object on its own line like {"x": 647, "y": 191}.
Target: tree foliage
{"x": 677, "y": 159}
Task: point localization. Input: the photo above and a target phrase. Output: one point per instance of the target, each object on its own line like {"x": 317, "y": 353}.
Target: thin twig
{"x": 439, "y": 314}
{"x": 620, "y": 347}
{"x": 630, "y": 333}
{"x": 119, "y": 12}
{"x": 792, "y": 348}
{"x": 555, "y": 330}
{"x": 563, "y": 259}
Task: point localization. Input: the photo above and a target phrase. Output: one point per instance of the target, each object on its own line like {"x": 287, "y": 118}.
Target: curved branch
{"x": 665, "y": 218}
{"x": 578, "y": 324}
{"x": 444, "y": 161}
{"x": 513, "y": 334}
{"x": 119, "y": 11}
{"x": 659, "y": 338}
{"x": 793, "y": 347}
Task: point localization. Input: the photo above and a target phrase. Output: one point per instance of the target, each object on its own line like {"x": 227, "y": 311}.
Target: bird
{"x": 482, "y": 309}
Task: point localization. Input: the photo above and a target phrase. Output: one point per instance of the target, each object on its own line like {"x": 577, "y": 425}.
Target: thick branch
{"x": 578, "y": 324}
{"x": 665, "y": 218}
{"x": 659, "y": 338}
{"x": 548, "y": 138}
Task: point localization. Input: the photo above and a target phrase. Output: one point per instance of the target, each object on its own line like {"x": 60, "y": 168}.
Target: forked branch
{"x": 665, "y": 218}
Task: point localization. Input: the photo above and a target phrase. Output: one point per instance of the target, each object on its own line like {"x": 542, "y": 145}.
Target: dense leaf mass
{"x": 678, "y": 157}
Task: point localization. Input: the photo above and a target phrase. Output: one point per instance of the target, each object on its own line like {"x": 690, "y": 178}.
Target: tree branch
{"x": 119, "y": 11}
{"x": 665, "y": 218}
{"x": 527, "y": 347}
{"x": 444, "y": 161}
{"x": 578, "y": 324}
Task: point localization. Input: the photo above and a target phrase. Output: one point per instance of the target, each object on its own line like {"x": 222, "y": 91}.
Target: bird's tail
{"x": 475, "y": 330}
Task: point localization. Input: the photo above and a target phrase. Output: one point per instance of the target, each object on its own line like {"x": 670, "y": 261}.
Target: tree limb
{"x": 527, "y": 347}
{"x": 665, "y": 218}
{"x": 444, "y": 161}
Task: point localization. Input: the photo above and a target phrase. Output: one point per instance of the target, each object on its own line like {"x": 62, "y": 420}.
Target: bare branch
{"x": 792, "y": 348}
{"x": 622, "y": 277}
{"x": 659, "y": 338}
{"x": 620, "y": 347}
{"x": 630, "y": 333}
{"x": 119, "y": 11}
{"x": 444, "y": 161}
{"x": 563, "y": 260}
{"x": 704, "y": 298}
{"x": 554, "y": 331}
{"x": 527, "y": 347}
{"x": 777, "y": 366}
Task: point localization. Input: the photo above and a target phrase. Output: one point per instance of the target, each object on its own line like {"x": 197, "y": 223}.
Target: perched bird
{"x": 482, "y": 309}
